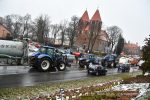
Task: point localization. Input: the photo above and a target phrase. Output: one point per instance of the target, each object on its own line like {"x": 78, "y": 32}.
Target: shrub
{"x": 99, "y": 53}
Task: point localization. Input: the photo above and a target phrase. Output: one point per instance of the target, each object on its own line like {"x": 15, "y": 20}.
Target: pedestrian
{"x": 76, "y": 57}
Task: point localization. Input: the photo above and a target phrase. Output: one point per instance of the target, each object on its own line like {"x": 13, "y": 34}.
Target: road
{"x": 19, "y": 76}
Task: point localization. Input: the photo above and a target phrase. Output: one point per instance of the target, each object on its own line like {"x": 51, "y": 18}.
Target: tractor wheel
{"x": 61, "y": 66}
{"x": 44, "y": 65}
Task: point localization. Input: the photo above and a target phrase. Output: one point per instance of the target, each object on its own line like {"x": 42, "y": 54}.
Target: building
{"x": 82, "y": 38}
{"x": 131, "y": 49}
{"x": 101, "y": 43}
{"x": 4, "y": 32}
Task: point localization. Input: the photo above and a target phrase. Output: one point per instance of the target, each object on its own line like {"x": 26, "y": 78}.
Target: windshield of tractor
{"x": 50, "y": 51}
{"x": 42, "y": 50}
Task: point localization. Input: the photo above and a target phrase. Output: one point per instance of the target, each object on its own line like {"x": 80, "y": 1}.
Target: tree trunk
{"x": 93, "y": 42}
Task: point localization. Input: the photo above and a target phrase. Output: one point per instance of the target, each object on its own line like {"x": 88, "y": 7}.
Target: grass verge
{"x": 19, "y": 93}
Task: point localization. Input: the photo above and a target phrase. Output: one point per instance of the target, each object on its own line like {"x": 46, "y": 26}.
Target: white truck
{"x": 13, "y": 51}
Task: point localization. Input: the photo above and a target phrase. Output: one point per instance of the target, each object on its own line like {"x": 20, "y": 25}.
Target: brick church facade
{"x": 82, "y": 39}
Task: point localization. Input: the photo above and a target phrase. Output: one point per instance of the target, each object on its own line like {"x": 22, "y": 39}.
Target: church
{"x": 85, "y": 27}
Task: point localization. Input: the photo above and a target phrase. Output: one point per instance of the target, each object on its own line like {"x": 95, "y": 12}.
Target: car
{"x": 123, "y": 67}
{"x": 86, "y": 59}
{"x": 147, "y": 74}
{"x": 68, "y": 54}
{"x": 123, "y": 64}
{"x": 109, "y": 61}
{"x": 47, "y": 57}
{"x": 140, "y": 63}
{"x": 97, "y": 69}
{"x": 134, "y": 61}
{"x": 32, "y": 49}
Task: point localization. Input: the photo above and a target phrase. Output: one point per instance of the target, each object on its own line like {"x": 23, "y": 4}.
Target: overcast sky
{"x": 132, "y": 16}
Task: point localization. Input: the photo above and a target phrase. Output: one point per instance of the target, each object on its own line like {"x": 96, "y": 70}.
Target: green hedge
{"x": 99, "y": 53}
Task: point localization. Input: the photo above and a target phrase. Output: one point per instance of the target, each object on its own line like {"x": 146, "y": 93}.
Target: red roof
{"x": 85, "y": 16}
{"x": 96, "y": 16}
{"x": 131, "y": 45}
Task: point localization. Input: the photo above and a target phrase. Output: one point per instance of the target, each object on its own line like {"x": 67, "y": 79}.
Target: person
{"x": 76, "y": 57}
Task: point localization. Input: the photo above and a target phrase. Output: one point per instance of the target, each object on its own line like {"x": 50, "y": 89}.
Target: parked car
{"x": 86, "y": 59}
{"x": 123, "y": 67}
{"x": 97, "y": 69}
{"x": 123, "y": 64}
{"x": 140, "y": 63}
{"x": 46, "y": 58}
{"x": 109, "y": 61}
{"x": 77, "y": 54}
{"x": 134, "y": 61}
{"x": 70, "y": 57}
{"x": 32, "y": 49}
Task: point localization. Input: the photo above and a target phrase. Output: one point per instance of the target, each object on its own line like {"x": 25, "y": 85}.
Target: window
{"x": 42, "y": 50}
{"x": 50, "y": 52}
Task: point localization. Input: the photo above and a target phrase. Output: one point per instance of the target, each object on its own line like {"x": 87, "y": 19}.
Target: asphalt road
{"x": 16, "y": 76}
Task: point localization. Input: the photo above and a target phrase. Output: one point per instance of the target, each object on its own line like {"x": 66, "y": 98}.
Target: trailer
{"x": 13, "y": 52}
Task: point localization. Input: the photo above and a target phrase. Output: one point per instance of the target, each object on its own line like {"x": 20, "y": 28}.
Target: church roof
{"x": 85, "y": 16}
{"x": 96, "y": 16}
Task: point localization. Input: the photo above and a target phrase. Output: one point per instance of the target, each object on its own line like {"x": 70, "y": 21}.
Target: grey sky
{"x": 132, "y": 16}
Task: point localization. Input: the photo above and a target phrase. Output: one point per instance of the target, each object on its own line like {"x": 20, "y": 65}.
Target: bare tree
{"x": 33, "y": 31}
{"x": 95, "y": 29}
{"x": 8, "y": 23}
{"x": 16, "y": 25}
{"x": 42, "y": 25}
{"x": 55, "y": 30}
{"x": 26, "y": 25}
{"x": 113, "y": 32}
{"x": 63, "y": 28}
{"x": 1, "y": 20}
{"x": 72, "y": 30}
{"x": 13, "y": 23}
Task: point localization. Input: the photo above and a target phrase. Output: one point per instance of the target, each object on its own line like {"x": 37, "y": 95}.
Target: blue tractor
{"x": 47, "y": 58}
